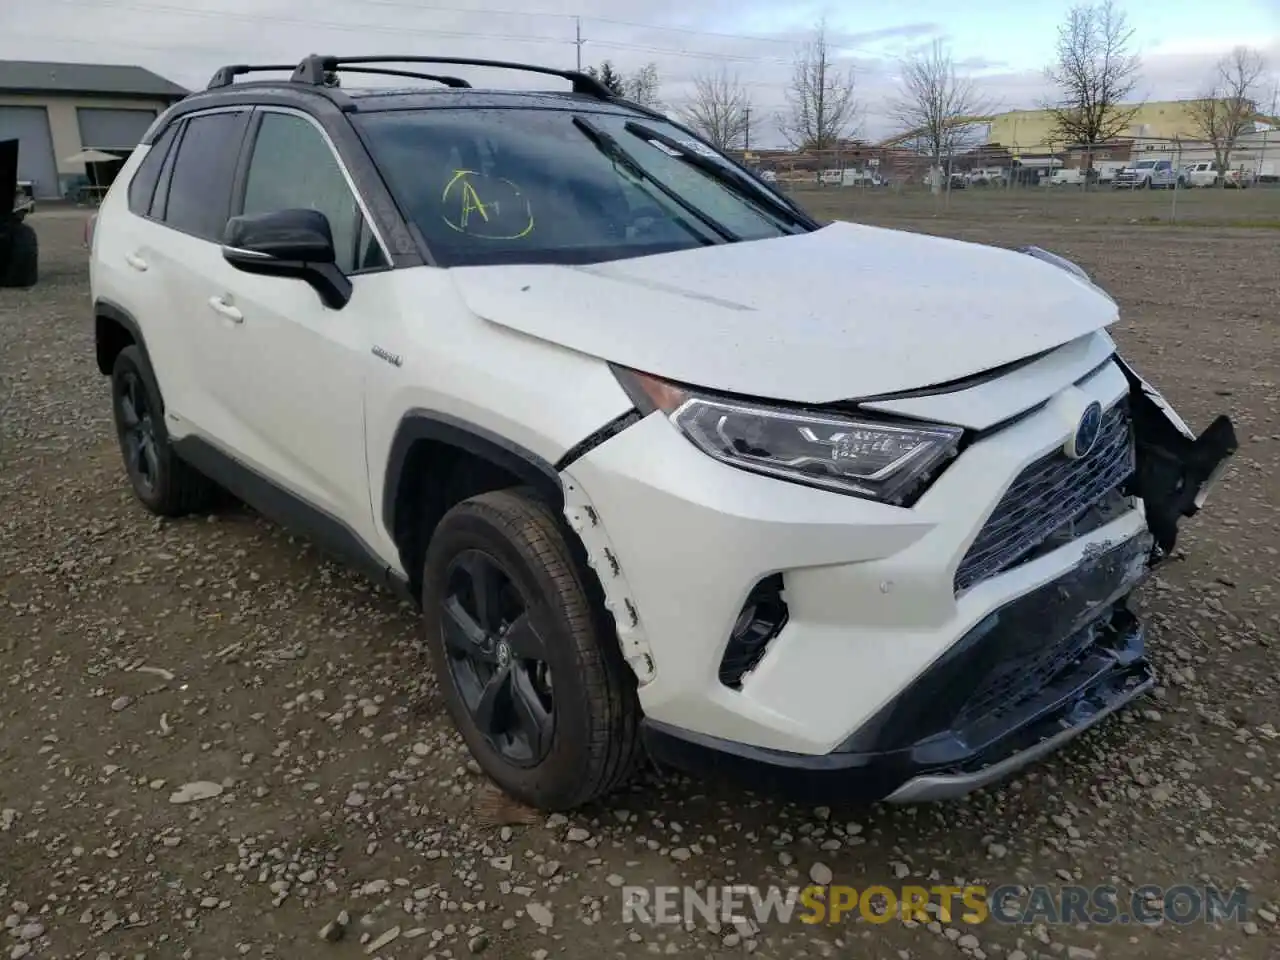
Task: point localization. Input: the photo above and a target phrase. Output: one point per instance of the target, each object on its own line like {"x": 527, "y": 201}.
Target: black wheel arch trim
{"x": 421, "y": 424}
{"x": 103, "y": 308}
{"x": 597, "y": 437}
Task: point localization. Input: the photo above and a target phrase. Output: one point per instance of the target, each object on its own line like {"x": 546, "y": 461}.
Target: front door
{"x": 296, "y": 389}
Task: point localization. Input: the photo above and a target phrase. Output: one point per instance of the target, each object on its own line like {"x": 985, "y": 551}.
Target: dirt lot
{"x": 137, "y": 656}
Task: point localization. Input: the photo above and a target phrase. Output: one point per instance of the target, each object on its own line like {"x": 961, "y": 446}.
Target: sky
{"x": 1005, "y": 47}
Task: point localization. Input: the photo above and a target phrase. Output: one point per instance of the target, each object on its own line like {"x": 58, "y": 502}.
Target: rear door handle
{"x": 135, "y": 261}
{"x": 224, "y": 309}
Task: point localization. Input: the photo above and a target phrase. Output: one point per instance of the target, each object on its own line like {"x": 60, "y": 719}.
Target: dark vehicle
{"x": 19, "y": 248}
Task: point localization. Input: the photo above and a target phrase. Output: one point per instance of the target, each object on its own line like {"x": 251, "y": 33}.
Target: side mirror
{"x": 288, "y": 243}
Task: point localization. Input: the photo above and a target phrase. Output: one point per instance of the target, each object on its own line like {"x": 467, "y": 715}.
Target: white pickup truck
{"x": 1205, "y": 173}
{"x": 1201, "y": 174}
{"x": 849, "y": 177}
{"x": 1150, "y": 174}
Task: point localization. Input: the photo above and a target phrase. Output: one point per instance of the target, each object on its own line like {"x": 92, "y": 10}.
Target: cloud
{"x": 186, "y": 40}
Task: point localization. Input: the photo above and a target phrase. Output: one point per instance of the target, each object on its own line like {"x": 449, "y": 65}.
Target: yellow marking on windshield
{"x": 471, "y": 203}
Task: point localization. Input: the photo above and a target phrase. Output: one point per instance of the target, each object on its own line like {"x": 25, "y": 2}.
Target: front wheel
{"x": 533, "y": 679}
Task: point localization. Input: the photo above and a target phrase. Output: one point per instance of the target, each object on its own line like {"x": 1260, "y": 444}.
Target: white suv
{"x": 672, "y": 469}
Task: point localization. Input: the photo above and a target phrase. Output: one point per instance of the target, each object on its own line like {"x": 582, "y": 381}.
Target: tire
{"x": 165, "y": 484}
{"x": 23, "y": 267}
{"x": 588, "y": 744}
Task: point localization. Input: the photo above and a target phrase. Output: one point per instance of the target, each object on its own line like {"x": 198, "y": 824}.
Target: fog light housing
{"x": 761, "y": 618}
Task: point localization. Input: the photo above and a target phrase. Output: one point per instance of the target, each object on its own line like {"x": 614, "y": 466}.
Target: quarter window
{"x": 143, "y": 185}
{"x": 294, "y": 167}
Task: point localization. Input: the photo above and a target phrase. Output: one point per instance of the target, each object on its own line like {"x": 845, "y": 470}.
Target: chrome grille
{"x": 1048, "y": 495}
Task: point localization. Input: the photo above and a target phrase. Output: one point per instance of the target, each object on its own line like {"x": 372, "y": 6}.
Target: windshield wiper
{"x": 738, "y": 182}
{"x": 607, "y": 144}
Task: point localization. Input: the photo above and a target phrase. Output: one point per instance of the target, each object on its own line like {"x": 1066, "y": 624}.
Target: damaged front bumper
{"x": 1026, "y": 678}
{"x": 1029, "y": 676}
{"x": 1175, "y": 468}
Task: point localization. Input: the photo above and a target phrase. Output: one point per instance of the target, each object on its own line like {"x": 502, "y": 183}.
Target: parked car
{"x": 19, "y": 243}
{"x": 1203, "y": 173}
{"x": 1067, "y": 176}
{"x": 986, "y": 176}
{"x": 669, "y": 467}
{"x": 1240, "y": 179}
{"x": 1149, "y": 174}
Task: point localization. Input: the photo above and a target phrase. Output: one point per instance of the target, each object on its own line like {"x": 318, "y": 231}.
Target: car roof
{"x": 371, "y": 99}
{"x": 321, "y": 100}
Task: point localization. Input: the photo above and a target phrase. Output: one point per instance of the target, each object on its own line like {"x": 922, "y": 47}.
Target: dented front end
{"x": 1175, "y": 469}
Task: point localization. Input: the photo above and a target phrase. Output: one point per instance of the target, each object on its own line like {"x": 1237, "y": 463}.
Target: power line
{"x": 308, "y": 22}
{"x": 578, "y": 39}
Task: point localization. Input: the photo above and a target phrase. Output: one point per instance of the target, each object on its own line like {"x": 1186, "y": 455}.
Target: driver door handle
{"x": 224, "y": 309}
{"x": 135, "y": 261}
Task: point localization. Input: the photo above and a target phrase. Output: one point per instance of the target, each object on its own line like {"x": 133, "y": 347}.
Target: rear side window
{"x": 199, "y": 197}
{"x": 143, "y": 185}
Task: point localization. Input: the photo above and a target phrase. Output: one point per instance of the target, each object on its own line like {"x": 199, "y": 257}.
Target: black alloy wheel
{"x": 497, "y": 659}
{"x": 528, "y": 662}
{"x": 166, "y": 485}
{"x": 138, "y": 433}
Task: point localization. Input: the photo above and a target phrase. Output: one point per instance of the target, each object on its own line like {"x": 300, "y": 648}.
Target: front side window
{"x": 293, "y": 167}
{"x": 553, "y": 186}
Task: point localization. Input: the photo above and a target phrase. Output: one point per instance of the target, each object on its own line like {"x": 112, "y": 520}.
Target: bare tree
{"x": 938, "y": 108}
{"x": 821, "y": 106}
{"x": 720, "y": 110}
{"x": 1225, "y": 110}
{"x": 643, "y": 88}
{"x": 1095, "y": 73}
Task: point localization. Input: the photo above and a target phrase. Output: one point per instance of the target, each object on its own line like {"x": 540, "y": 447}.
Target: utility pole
{"x": 1266, "y": 134}
{"x": 747, "y": 146}
{"x": 577, "y": 39}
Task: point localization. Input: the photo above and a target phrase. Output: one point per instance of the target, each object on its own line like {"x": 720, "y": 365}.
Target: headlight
{"x": 890, "y": 462}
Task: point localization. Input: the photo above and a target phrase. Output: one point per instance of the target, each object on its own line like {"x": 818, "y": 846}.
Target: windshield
{"x": 1144, "y": 164}
{"x": 533, "y": 186}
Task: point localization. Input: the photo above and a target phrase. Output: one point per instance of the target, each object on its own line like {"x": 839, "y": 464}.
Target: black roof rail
{"x": 456, "y": 82}
{"x": 318, "y": 70}
{"x": 225, "y": 76}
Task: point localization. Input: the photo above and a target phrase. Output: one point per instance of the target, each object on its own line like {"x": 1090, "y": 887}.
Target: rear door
{"x": 126, "y": 238}
{"x": 184, "y": 252}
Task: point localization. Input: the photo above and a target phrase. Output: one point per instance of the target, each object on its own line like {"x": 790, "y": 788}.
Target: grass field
{"x": 1257, "y": 207}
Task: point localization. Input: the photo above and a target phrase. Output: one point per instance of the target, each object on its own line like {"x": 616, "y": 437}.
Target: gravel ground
{"x": 215, "y": 744}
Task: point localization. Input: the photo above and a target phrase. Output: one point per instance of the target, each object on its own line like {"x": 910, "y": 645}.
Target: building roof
{"x": 30, "y": 76}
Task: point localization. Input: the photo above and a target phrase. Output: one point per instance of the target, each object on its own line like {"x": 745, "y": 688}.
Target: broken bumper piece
{"x": 1175, "y": 468}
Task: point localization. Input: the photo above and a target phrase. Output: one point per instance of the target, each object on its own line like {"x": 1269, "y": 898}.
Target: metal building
{"x": 61, "y": 110}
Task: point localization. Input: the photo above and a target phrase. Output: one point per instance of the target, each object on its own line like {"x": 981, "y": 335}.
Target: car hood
{"x": 843, "y": 312}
